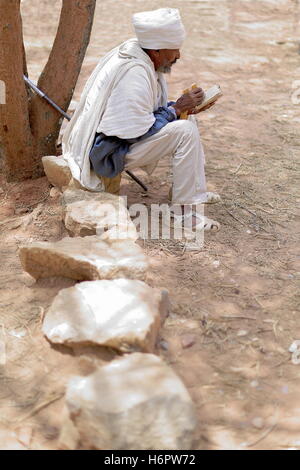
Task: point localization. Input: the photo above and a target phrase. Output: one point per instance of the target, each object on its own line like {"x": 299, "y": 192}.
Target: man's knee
{"x": 184, "y": 127}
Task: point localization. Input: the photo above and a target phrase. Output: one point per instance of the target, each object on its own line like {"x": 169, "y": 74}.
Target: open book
{"x": 211, "y": 95}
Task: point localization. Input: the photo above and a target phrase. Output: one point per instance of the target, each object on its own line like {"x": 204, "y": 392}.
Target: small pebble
{"x": 258, "y": 423}
{"x": 187, "y": 341}
{"x": 55, "y": 192}
{"x": 191, "y": 324}
{"x": 294, "y": 346}
{"x": 25, "y": 435}
{"x": 18, "y": 334}
{"x": 164, "y": 345}
{"x": 242, "y": 333}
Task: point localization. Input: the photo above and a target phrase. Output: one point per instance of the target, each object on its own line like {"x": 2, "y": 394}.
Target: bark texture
{"x": 29, "y": 126}
{"x": 17, "y": 147}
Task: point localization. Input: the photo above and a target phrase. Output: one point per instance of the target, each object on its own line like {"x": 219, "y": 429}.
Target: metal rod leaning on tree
{"x": 63, "y": 113}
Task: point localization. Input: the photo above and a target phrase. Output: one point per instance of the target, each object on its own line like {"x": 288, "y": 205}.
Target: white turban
{"x": 159, "y": 29}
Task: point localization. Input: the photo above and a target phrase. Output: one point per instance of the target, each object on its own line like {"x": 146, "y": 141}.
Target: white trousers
{"x": 180, "y": 140}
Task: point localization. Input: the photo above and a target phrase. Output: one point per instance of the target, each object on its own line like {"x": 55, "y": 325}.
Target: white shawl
{"x": 80, "y": 133}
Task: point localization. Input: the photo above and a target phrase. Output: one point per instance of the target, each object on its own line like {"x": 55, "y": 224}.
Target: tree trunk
{"x": 16, "y": 142}
{"x": 36, "y": 123}
{"x": 60, "y": 74}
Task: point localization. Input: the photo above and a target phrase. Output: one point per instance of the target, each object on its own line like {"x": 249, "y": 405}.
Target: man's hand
{"x": 197, "y": 111}
{"x": 189, "y": 101}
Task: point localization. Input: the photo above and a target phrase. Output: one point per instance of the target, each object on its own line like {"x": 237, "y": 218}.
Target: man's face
{"x": 166, "y": 58}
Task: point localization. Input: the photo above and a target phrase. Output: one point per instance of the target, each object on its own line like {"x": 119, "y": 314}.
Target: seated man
{"x": 124, "y": 120}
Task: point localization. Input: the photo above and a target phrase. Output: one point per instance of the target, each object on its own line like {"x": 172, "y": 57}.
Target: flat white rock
{"x": 108, "y": 219}
{"x": 72, "y": 195}
{"x": 133, "y": 403}
{"x": 84, "y": 259}
{"x": 57, "y": 171}
{"x": 122, "y": 314}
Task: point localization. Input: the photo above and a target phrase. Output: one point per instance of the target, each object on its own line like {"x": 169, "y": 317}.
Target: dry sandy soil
{"x": 239, "y": 296}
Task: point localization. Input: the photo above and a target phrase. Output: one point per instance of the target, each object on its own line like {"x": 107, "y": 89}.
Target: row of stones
{"x": 136, "y": 401}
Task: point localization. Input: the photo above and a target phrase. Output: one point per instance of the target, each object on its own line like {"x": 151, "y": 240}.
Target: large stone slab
{"x": 122, "y": 314}
{"x": 104, "y": 214}
{"x": 57, "y": 171}
{"x": 84, "y": 259}
{"x": 134, "y": 403}
{"x": 72, "y": 195}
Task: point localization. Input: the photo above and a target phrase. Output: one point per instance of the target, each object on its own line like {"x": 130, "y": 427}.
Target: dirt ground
{"x": 237, "y": 299}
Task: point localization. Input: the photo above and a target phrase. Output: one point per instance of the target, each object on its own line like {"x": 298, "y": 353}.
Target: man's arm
{"x": 163, "y": 116}
{"x": 129, "y": 110}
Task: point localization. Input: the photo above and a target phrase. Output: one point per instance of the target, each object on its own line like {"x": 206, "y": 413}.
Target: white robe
{"x": 119, "y": 100}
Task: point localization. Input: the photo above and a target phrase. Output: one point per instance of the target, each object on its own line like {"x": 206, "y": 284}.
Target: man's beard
{"x": 165, "y": 69}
